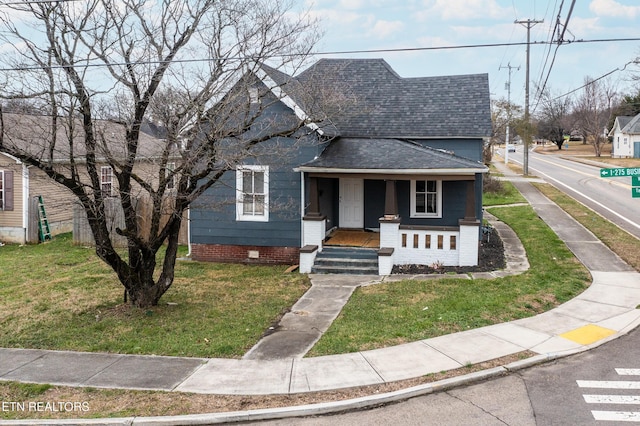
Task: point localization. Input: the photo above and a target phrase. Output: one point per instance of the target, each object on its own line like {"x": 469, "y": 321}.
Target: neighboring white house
{"x": 626, "y": 137}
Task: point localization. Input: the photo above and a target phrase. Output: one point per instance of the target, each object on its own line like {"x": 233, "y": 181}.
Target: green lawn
{"x": 60, "y": 296}
{"x": 410, "y": 310}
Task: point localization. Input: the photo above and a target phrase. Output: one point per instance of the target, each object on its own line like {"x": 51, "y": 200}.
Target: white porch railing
{"x": 446, "y": 246}
{"x": 428, "y": 247}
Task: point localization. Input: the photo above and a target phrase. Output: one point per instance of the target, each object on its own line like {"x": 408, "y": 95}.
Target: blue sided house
{"x": 389, "y": 173}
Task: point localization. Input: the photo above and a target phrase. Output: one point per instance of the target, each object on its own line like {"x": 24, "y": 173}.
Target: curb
{"x": 310, "y": 409}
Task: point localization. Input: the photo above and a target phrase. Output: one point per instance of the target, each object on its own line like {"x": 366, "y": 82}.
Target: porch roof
{"x": 359, "y": 155}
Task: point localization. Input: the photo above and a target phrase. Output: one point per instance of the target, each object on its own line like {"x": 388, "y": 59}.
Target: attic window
{"x": 254, "y": 96}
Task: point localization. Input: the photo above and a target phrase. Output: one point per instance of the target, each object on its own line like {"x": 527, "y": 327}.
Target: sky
{"x": 365, "y": 25}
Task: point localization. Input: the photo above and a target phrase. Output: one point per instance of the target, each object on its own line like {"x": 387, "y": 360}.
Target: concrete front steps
{"x": 346, "y": 260}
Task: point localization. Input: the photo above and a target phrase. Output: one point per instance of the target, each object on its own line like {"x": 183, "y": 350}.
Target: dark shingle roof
{"x": 366, "y": 98}
{"x": 631, "y": 125}
{"x": 388, "y": 154}
{"x": 31, "y": 135}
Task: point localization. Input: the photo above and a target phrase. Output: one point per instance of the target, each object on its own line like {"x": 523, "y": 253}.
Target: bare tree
{"x": 554, "y": 119}
{"x": 503, "y": 114}
{"x": 593, "y": 111}
{"x": 105, "y": 69}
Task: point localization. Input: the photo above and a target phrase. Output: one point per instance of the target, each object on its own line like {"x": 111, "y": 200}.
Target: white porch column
{"x": 469, "y": 242}
{"x": 307, "y": 258}
{"x": 314, "y": 229}
{"x": 389, "y": 231}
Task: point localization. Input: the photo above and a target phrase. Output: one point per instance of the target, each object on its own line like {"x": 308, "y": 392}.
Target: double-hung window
{"x": 170, "y": 169}
{"x": 252, "y": 193}
{"x": 6, "y": 190}
{"x": 426, "y": 198}
{"x": 106, "y": 180}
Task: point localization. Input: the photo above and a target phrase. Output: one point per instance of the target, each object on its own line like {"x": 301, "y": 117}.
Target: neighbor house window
{"x": 6, "y": 190}
{"x": 171, "y": 183}
{"x": 106, "y": 180}
{"x": 252, "y": 189}
{"x": 426, "y": 198}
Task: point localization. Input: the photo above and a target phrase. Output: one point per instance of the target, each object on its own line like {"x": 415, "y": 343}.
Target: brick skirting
{"x": 245, "y": 254}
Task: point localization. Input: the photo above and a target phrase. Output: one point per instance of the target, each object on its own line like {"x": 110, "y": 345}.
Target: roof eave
{"x": 434, "y": 172}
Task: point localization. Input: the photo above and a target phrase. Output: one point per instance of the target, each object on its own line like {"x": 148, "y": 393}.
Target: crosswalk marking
{"x": 617, "y": 416}
{"x": 612, "y": 399}
{"x": 608, "y": 384}
{"x": 614, "y": 416}
{"x": 628, "y": 371}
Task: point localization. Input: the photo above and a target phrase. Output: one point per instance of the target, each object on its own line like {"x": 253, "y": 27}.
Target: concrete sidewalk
{"x": 606, "y": 310}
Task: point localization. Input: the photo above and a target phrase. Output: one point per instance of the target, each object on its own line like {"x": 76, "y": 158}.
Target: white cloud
{"x": 384, "y": 29}
{"x": 464, "y": 9}
{"x": 351, "y": 4}
{"x": 335, "y": 18}
{"x": 614, "y": 9}
{"x": 583, "y": 28}
{"x": 435, "y": 41}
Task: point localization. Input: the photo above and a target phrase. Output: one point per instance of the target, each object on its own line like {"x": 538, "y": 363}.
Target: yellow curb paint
{"x": 588, "y": 334}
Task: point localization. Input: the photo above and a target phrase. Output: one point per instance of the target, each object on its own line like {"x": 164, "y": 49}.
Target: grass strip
{"x": 617, "y": 239}
{"x": 411, "y": 310}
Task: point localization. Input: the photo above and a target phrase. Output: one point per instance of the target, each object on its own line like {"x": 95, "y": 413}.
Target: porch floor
{"x": 353, "y": 238}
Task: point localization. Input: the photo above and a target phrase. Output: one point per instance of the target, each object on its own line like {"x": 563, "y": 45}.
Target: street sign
{"x": 620, "y": 172}
{"x": 635, "y": 192}
{"x": 635, "y": 180}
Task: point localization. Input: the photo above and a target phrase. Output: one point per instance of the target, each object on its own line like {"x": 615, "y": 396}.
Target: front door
{"x": 351, "y": 203}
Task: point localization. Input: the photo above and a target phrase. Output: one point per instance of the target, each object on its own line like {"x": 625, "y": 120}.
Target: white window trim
{"x": 170, "y": 168}
{"x": 240, "y": 216}
{"x": 438, "y": 213}
{"x": 102, "y": 183}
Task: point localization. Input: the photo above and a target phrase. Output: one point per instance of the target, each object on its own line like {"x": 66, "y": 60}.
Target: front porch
{"x": 397, "y": 241}
{"x": 396, "y": 244}
{"x": 424, "y": 203}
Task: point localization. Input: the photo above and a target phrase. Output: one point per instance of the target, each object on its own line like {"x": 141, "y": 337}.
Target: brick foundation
{"x": 244, "y": 254}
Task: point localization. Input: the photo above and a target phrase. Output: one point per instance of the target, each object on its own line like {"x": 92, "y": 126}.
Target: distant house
{"x": 625, "y": 136}
{"x": 400, "y": 158}
{"x": 21, "y": 184}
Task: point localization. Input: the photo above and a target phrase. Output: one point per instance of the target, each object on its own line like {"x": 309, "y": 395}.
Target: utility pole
{"x": 506, "y": 141}
{"x": 525, "y": 168}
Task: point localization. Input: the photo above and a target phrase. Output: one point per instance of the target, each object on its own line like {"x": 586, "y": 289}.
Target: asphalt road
{"x": 611, "y": 197}
{"x": 597, "y": 387}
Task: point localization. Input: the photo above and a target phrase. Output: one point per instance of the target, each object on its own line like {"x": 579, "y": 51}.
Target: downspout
{"x": 25, "y": 201}
{"x": 302, "y": 201}
{"x": 189, "y": 231}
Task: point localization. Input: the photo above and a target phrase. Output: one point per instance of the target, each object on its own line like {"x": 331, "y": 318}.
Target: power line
{"x": 326, "y": 53}
{"x": 566, "y": 23}
{"x": 635, "y": 61}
